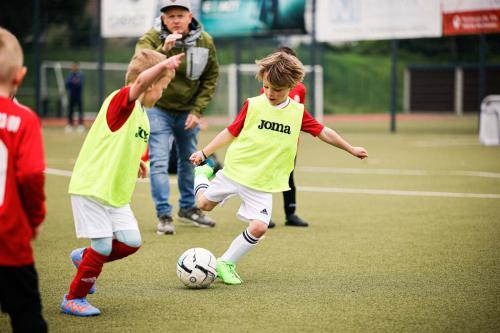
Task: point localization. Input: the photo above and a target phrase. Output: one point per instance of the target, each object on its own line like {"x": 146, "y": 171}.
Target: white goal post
{"x": 224, "y": 103}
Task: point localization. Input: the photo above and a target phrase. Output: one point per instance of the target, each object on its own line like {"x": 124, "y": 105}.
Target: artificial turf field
{"x": 395, "y": 243}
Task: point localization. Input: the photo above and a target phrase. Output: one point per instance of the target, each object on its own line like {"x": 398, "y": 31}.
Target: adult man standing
{"x": 177, "y": 113}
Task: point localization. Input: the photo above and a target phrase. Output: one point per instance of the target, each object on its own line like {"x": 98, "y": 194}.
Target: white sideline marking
{"x": 58, "y": 172}
{"x": 397, "y": 192}
{"x": 399, "y": 172}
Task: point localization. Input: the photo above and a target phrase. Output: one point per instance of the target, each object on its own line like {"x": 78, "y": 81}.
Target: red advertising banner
{"x": 471, "y": 22}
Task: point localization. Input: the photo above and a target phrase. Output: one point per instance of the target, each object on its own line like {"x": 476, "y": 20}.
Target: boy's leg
{"x": 201, "y": 182}
{"x": 289, "y": 197}
{"x": 241, "y": 245}
{"x": 126, "y": 243}
{"x": 87, "y": 273}
{"x": 75, "y": 302}
{"x": 290, "y": 202}
{"x": 20, "y": 298}
{"x": 126, "y": 231}
{"x": 92, "y": 220}
{"x": 245, "y": 241}
{"x": 257, "y": 209}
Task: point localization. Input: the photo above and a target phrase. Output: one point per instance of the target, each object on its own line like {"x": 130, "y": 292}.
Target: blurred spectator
{"x": 74, "y": 86}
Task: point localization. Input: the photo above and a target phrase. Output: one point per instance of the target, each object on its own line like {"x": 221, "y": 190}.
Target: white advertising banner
{"x": 127, "y": 18}
{"x": 354, "y": 20}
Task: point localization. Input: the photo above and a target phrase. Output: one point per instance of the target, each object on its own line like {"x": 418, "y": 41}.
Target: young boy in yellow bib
{"x": 105, "y": 175}
{"x": 263, "y": 144}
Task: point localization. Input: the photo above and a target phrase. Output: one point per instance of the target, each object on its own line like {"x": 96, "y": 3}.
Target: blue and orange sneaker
{"x": 76, "y": 257}
{"x": 78, "y": 307}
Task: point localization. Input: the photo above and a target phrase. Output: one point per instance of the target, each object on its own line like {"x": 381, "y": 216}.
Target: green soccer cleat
{"x": 226, "y": 271}
{"x": 205, "y": 169}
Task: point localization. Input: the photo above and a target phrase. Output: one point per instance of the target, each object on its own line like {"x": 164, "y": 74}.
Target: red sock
{"x": 87, "y": 273}
{"x": 120, "y": 250}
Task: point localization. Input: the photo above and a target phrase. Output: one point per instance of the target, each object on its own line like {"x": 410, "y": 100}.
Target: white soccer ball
{"x": 196, "y": 268}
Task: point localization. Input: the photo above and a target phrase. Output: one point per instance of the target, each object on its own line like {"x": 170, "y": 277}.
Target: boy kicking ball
{"x": 263, "y": 144}
{"x": 105, "y": 175}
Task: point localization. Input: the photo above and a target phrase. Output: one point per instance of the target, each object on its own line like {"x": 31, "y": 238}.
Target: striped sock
{"x": 201, "y": 182}
{"x": 240, "y": 246}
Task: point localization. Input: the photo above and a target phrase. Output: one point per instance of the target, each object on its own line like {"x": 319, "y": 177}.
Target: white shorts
{"x": 95, "y": 220}
{"x": 256, "y": 205}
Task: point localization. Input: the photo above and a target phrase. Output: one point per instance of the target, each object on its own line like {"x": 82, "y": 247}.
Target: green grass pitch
{"x": 395, "y": 243}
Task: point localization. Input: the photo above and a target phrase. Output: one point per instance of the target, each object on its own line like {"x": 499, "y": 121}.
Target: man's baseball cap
{"x": 164, "y": 4}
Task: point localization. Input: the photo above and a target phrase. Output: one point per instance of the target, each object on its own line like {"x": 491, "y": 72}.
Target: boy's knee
{"x": 131, "y": 238}
{"x": 102, "y": 245}
{"x": 258, "y": 228}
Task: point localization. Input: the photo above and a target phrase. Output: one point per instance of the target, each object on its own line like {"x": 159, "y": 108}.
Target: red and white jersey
{"x": 22, "y": 197}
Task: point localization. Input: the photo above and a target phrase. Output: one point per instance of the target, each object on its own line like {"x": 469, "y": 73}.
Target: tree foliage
{"x": 18, "y": 16}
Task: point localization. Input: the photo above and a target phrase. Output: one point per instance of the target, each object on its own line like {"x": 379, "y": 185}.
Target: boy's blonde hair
{"x": 280, "y": 70}
{"x": 11, "y": 56}
{"x": 142, "y": 60}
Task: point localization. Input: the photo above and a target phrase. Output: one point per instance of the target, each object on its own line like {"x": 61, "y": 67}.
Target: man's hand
{"x": 143, "y": 170}
{"x": 170, "y": 41}
{"x": 197, "y": 157}
{"x": 191, "y": 121}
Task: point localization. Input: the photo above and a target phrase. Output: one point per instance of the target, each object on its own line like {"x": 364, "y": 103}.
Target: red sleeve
{"x": 310, "y": 125}
{"x": 145, "y": 156}
{"x": 30, "y": 165}
{"x": 237, "y": 124}
{"x": 298, "y": 93}
{"x": 119, "y": 109}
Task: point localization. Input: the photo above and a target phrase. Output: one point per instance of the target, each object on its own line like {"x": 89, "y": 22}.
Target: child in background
{"x": 105, "y": 175}
{"x": 22, "y": 197}
{"x": 263, "y": 144}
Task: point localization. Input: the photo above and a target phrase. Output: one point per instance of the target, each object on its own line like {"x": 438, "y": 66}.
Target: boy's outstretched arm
{"x": 222, "y": 139}
{"x": 150, "y": 75}
{"x": 330, "y": 136}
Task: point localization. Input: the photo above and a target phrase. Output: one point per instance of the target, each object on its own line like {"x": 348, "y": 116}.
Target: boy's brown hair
{"x": 280, "y": 70}
{"x": 142, "y": 60}
{"x": 11, "y": 56}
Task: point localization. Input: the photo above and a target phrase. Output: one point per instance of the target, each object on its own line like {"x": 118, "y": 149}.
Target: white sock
{"x": 239, "y": 247}
{"x": 201, "y": 182}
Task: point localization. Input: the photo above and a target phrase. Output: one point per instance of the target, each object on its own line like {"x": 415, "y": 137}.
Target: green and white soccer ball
{"x": 196, "y": 268}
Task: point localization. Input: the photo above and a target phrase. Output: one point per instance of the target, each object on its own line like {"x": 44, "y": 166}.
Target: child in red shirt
{"x": 22, "y": 198}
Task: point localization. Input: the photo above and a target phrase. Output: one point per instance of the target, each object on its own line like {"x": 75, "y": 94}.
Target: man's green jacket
{"x": 194, "y": 84}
